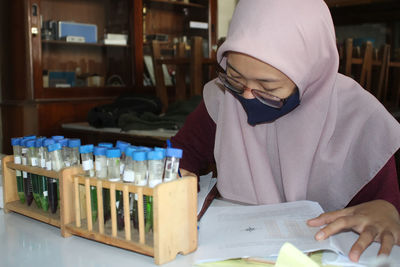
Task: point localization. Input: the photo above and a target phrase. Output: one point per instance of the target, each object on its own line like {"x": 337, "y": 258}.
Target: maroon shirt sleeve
{"x": 383, "y": 186}
{"x": 196, "y": 138}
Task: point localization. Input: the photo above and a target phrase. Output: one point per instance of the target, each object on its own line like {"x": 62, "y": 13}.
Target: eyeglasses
{"x": 238, "y": 88}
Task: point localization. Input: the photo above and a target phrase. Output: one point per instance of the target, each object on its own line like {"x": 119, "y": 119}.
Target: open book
{"x": 233, "y": 231}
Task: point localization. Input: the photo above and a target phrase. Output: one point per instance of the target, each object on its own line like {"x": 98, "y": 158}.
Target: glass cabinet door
{"x": 86, "y": 44}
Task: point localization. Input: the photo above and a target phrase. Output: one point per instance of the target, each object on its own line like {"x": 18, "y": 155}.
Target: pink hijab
{"x": 327, "y": 148}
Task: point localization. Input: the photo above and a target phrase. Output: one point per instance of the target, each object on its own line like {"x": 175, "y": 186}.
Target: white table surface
{"x": 27, "y": 242}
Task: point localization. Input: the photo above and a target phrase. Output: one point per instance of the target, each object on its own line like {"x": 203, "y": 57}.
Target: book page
{"x": 257, "y": 231}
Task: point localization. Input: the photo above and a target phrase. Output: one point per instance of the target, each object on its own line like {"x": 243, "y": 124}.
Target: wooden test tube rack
{"x": 10, "y": 194}
{"x": 174, "y": 216}
{"x": 174, "y": 211}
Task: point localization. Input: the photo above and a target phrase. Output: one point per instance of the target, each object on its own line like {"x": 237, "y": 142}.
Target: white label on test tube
{"x": 17, "y": 159}
{"x": 67, "y": 164}
{"x": 98, "y": 166}
{"x": 25, "y": 175}
{"x": 87, "y": 165}
{"x": 129, "y": 176}
{"x": 24, "y": 161}
{"x": 121, "y": 167}
{"x": 18, "y": 172}
{"x": 45, "y": 193}
{"x": 140, "y": 180}
{"x": 48, "y": 165}
{"x": 34, "y": 161}
{"x": 43, "y": 163}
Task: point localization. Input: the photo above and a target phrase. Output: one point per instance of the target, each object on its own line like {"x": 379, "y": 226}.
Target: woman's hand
{"x": 376, "y": 220}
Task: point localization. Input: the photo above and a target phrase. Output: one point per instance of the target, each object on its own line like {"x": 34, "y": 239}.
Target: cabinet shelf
{"x": 176, "y": 3}
{"x": 56, "y": 42}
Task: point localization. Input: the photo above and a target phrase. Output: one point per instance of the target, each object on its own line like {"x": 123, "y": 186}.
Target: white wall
{"x": 225, "y": 12}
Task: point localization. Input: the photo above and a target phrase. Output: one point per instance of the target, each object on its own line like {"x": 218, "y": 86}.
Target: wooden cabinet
{"x": 51, "y": 75}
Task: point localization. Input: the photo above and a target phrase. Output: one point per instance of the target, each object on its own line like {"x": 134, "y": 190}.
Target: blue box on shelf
{"x": 62, "y": 79}
{"x": 88, "y": 31}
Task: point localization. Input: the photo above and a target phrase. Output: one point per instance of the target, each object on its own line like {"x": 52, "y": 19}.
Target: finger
{"x": 364, "y": 240}
{"x": 387, "y": 242}
{"x": 329, "y": 217}
{"x": 342, "y": 223}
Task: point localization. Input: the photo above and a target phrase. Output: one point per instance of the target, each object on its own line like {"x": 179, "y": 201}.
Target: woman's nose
{"x": 247, "y": 93}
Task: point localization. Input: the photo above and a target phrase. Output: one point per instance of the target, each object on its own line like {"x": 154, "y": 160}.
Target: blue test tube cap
{"x": 129, "y": 151}
{"x": 75, "y": 142}
{"x": 86, "y": 149}
{"x": 139, "y": 155}
{"x": 16, "y": 141}
{"x": 57, "y": 137}
{"x": 63, "y": 142}
{"x": 122, "y": 145}
{"x": 30, "y": 142}
{"x": 29, "y": 137}
{"x": 113, "y": 153}
{"x": 39, "y": 141}
{"x": 173, "y": 152}
{"x": 99, "y": 151}
{"x": 48, "y": 141}
{"x": 155, "y": 155}
{"x": 54, "y": 147}
{"x": 160, "y": 149}
{"x": 107, "y": 145}
{"x": 144, "y": 148}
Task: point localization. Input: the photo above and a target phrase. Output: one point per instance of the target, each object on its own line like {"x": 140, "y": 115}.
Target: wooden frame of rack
{"x": 174, "y": 216}
{"x": 12, "y": 202}
{"x": 174, "y": 211}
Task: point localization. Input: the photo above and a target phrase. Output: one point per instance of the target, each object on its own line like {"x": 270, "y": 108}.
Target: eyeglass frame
{"x": 277, "y": 102}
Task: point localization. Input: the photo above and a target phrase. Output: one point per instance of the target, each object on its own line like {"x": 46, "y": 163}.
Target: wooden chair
{"x": 368, "y": 66}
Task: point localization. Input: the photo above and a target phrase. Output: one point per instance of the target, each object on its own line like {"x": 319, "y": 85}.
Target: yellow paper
{"x": 290, "y": 256}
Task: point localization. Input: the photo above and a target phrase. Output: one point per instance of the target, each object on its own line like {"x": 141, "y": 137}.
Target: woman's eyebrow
{"x": 259, "y": 80}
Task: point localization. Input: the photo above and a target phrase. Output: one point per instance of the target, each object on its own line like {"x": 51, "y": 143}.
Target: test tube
{"x": 122, "y": 146}
{"x": 101, "y": 173}
{"x": 155, "y": 167}
{"x": 113, "y": 170}
{"x": 34, "y": 162}
{"x": 172, "y": 157}
{"x": 15, "y": 142}
{"x": 86, "y": 152}
{"x": 65, "y": 151}
{"x": 140, "y": 170}
{"x": 127, "y": 177}
{"x": 88, "y": 166}
{"x": 113, "y": 164}
{"x": 74, "y": 145}
{"x": 100, "y": 162}
{"x": 42, "y": 180}
{"x": 28, "y": 191}
{"x": 57, "y": 164}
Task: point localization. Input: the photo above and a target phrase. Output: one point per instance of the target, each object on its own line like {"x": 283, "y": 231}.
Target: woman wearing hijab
{"x": 283, "y": 125}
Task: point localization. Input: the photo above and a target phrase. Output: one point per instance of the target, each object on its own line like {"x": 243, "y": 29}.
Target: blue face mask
{"x": 258, "y": 112}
